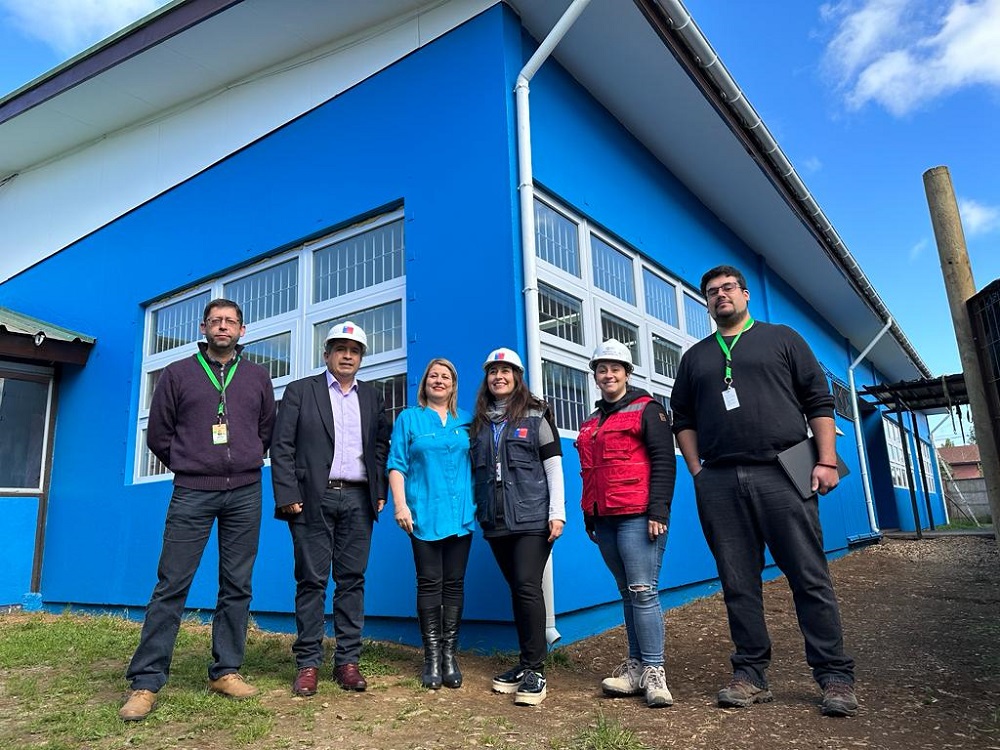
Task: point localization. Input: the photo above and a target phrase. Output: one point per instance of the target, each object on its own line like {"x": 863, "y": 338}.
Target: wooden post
{"x": 960, "y": 287}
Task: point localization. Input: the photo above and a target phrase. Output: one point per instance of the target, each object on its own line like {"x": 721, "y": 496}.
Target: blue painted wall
{"x": 446, "y": 152}
{"x": 20, "y": 517}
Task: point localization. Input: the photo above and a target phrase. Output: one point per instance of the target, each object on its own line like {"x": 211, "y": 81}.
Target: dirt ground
{"x": 922, "y": 619}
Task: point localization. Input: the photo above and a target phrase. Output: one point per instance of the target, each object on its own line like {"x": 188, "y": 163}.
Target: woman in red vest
{"x": 628, "y": 466}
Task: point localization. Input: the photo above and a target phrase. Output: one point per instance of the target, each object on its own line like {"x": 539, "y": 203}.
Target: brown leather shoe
{"x": 349, "y": 678}
{"x": 305, "y": 682}
{"x": 138, "y": 704}
{"x": 232, "y": 685}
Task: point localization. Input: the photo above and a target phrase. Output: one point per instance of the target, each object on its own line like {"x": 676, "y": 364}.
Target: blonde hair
{"x": 453, "y": 398}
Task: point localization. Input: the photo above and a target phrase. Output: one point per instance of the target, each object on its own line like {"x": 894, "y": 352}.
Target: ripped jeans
{"x": 635, "y": 563}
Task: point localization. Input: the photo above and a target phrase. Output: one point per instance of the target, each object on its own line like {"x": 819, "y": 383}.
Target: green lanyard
{"x": 221, "y": 387}
{"x": 728, "y": 350}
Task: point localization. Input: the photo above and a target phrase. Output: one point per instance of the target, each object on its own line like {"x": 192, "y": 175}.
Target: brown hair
{"x": 518, "y": 403}
{"x": 453, "y": 398}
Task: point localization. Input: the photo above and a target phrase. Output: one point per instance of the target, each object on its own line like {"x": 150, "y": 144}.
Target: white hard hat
{"x": 504, "y": 356}
{"x": 351, "y": 332}
{"x": 612, "y": 350}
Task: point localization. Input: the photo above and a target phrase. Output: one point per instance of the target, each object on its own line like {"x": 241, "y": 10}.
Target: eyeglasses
{"x": 216, "y": 322}
{"x": 729, "y": 287}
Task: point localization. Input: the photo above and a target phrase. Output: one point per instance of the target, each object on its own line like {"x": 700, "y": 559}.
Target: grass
{"x": 62, "y": 681}
{"x": 965, "y": 523}
{"x": 606, "y": 734}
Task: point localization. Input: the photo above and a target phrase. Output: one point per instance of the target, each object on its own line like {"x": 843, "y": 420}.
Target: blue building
{"x": 372, "y": 161}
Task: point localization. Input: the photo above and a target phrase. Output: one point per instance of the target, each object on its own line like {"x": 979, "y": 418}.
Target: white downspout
{"x": 526, "y": 192}
{"x": 865, "y": 483}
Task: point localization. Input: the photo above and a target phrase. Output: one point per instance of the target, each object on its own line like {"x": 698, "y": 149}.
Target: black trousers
{"x": 340, "y": 543}
{"x": 742, "y": 508}
{"x": 522, "y": 559}
{"x": 441, "y": 568}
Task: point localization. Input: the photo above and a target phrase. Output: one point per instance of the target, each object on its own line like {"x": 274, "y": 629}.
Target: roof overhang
{"x": 927, "y": 395}
{"x": 33, "y": 340}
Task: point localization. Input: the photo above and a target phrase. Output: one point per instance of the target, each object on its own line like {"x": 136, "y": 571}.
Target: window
{"x": 666, "y": 357}
{"x": 587, "y": 293}
{"x": 566, "y": 392}
{"x": 894, "y": 443}
{"x": 556, "y": 239}
{"x": 612, "y": 270}
{"x": 560, "y": 314}
{"x": 289, "y": 303}
{"x": 699, "y": 324}
{"x": 613, "y": 327}
{"x": 661, "y": 298}
{"x": 24, "y": 414}
{"x": 925, "y": 458}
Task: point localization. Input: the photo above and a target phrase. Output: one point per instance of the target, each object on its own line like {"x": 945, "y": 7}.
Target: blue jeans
{"x": 635, "y": 563}
{"x": 341, "y": 543}
{"x": 742, "y": 508}
{"x": 190, "y": 517}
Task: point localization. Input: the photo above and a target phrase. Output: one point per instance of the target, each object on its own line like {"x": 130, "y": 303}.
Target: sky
{"x": 863, "y": 96}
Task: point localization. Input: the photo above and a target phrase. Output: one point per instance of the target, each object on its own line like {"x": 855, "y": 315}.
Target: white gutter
{"x": 858, "y": 436}
{"x": 526, "y": 192}
{"x": 732, "y": 97}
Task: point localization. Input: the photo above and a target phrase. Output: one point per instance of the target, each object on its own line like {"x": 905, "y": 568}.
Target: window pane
{"x": 696, "y": 315}
{"x": 661, "y": 298}
{"x": 267, "y": 293}
{"x": 149, "y": 465}
{"x": 22, "y": 435}
{"x": 666, "y": 357}
{"x": 273, "y": 353}
{"x": 612, "y": 270}
{"x": 393, "y": 390}
{"x": 178, "y": 323}
{"x": 556, "y": 239}
{"x": 613, "y": 327}
{"x": 559, "y": 314}
{"x": 364, "y": 260}
{"x": 566, "y": 392}
{"x": 383, "y": 325}
{"x": 842, "y": 400}
{"x": 152, "y": 379}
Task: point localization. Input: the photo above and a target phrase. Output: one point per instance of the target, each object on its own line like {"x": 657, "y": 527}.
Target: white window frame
{"x": 299, "y": 323}
{"x": 894, "y": 436}
{"x": 597, "y": 301}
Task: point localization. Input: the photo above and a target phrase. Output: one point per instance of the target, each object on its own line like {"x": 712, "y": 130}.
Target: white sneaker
{"x": 654, "y": 682}
{"x": 624, "y": 680}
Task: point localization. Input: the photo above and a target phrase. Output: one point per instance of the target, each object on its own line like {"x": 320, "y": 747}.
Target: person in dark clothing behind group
{"x": 745, "y": 499}
{"x": 628, "y": 466}
{"x": 518, "y": 486}
{"x": 210, "y": 423}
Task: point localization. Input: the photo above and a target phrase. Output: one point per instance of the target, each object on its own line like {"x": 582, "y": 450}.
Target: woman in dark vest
{"x": 518, "y": 485}
{"x": 628, "y": 466}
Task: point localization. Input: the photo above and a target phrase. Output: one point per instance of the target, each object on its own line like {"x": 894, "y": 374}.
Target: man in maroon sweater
{"x": 210, "y": 423}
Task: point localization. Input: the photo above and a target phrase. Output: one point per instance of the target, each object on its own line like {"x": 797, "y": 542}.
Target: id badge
{"x": 499, "y": 473}
{"x": 220, "y": 434}
{"x": 730, "y": 399}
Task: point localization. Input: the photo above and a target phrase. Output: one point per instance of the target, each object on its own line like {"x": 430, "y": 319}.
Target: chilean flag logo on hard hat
{"x": 499, "y": 355}
{"x": 348, "y": 329}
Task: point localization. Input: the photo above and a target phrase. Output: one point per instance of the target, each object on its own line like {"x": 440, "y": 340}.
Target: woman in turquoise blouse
{"x": 431, "y": 480}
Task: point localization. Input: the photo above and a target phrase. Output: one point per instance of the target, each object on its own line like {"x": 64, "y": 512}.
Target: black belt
{"x": 343, "y": 484}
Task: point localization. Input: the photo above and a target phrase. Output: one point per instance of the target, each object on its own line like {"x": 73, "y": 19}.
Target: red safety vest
{"x": 614, "y": 462}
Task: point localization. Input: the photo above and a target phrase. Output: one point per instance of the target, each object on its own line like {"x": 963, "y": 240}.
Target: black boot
{"x": 430, "y": 631}
{"x": 450, "y": 618}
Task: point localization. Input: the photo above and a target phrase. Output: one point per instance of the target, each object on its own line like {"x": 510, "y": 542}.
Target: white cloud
{"x": 978, "y": 218}
{"x": 901, "y": 54}
{"x": 71, "y": 26}
{"x": 917, "y": 250}
{"x": 812, "y": 164}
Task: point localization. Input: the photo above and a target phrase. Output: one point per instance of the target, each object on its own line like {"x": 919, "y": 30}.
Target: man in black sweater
{"x": 745, "y": 500}
{"x": 210, "y": 423}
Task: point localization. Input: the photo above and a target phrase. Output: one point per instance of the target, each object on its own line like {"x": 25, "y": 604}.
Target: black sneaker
{"x": 531, "y": 691}
{"x": 509, "y": 681}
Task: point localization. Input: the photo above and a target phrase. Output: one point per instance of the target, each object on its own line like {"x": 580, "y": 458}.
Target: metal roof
{"x": 928, "y": 395}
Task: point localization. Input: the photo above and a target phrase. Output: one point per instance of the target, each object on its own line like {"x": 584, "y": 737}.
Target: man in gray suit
{"x": 328, "y": 459}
